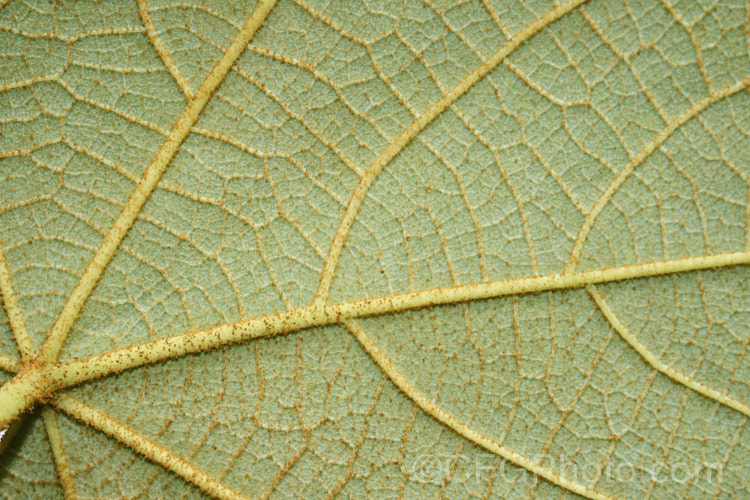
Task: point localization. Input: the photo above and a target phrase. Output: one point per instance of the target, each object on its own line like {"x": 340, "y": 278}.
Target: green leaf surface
{"x": 418, "y": 249}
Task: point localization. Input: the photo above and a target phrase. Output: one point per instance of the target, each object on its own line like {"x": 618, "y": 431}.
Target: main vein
{"x": 26, "y": 349}
{"x": 56, "y": 337}
{"x": 75, "y": 372}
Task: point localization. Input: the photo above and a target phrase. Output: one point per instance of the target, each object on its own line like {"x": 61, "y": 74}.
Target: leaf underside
{"x": 422, "y": 249}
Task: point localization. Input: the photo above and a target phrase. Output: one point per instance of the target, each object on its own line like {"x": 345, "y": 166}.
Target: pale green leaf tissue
{"x": 351, "y": 153}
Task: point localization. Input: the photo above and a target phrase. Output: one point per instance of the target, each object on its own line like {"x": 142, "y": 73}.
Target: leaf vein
{"x": 58, "y": 454}
{"x": 154, "y": 452}
{"x": 458, "y": 426}
{"x": 56, "y": 337}
{"x": 656, "y": 363}
{"x": 393, "y": 150}
{"x": 21, "y": 391}
{"x": 162, "y": 51}
{"x": 628, "y": 169}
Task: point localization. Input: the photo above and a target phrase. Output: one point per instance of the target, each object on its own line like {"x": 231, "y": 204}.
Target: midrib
{"x": 75, "y": 372}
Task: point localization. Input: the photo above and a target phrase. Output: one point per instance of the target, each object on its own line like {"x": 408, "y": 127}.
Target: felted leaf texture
{"x": 419, "y": 249}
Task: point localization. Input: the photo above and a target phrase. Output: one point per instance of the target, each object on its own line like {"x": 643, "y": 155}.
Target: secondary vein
{"x": 369, "y": 176}
{"x": 56, "y": 337}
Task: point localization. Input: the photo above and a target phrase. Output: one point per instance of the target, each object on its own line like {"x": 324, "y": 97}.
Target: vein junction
{"x": 56, "y": 337}
{"x": 36, "y": 381}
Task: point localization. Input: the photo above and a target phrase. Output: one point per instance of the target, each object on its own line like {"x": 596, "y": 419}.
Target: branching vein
{"x": 58, "y": 452}
{"x": 147, "y": 448}
{"x": 8, "y": 364}
{"x": 658, "y": 364}
{"x": 56, "y": 337}
{"x": 460, "y": 427}
{"x": 161, "y": 49}
{"x": 15, "y": 316}
{"x": 358, "y": 196}
{"x": 24, "y": 390}
{"x": 37, "y": 380}
{"x": 654, "y": 144}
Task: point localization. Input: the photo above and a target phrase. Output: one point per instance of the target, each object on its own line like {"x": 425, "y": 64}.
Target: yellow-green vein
{"x": 56, "y": 337}
{"x": 162, "y": 51}
{"x": 460, "y": 427}
{"x": 13, "y": 310}
{"x": 398, "y": 144}
{"x": 8, "y": 364}
{"x": 657, "y": 141}
{"x": 58, "y": 453}
{"x": 658, "y": 364}
{"x": 35, "y": 382}
{"x": 147, "y": 448}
